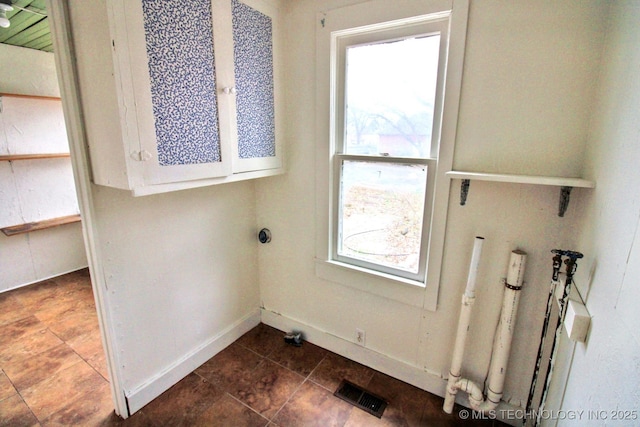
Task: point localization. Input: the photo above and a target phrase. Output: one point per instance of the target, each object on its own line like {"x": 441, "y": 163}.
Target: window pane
{"x": 382, "y": 206}
{"x": 390, "y": 92}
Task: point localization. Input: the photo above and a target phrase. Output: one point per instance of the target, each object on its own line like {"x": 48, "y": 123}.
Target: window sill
{"x": 405, "y": 291}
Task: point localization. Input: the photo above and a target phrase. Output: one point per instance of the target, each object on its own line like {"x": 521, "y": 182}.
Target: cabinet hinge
{"x": 140, "y": 156}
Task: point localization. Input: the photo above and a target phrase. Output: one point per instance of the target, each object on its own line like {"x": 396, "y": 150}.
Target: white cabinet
{"x": 196, "y": 90}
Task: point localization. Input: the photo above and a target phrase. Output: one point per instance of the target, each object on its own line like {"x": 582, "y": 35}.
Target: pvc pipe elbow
{"x": 476, "y": 398}
{"x": 469, "y": 387}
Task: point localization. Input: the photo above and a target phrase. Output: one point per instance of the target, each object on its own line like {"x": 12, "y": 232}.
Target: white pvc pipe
{"x": 468, "y": 299}
{"x": 470, "y": 289}
{"x": 502, "y": 345}
{"x": 501, "y": 349}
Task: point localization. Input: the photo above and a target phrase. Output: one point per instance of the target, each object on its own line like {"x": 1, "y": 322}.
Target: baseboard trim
{"x": 142, "y": 395}
{"x": 389, "y": 366}
{"x": 425, "y": 380}
{"x": 42, "y": 279}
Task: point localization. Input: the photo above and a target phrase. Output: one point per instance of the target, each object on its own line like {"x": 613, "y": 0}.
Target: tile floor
{"x": 52, "y": 366}
{"x": 53, "y": 372}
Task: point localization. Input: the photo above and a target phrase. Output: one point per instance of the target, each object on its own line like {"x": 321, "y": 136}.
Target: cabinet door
{"x": 254, "y": 25}
{"x": 173, "y": 110}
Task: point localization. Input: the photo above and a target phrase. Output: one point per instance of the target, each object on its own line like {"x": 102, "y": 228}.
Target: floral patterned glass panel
{"x": 253, "y": 54}
{"x": 179, "y": 39}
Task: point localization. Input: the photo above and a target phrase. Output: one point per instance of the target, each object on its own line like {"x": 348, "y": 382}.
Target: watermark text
{"x": 547, "y": 414}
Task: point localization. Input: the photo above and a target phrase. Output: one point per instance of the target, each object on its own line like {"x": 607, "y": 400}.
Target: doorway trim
{"x": 59, "y": 21}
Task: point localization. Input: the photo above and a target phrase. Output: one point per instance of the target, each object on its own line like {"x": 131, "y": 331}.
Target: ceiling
{"x": 29, "y": 28}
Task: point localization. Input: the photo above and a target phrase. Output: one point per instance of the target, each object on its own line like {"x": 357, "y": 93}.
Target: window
{"x": 386, "y": 151}
{"x": 390, "y": 142}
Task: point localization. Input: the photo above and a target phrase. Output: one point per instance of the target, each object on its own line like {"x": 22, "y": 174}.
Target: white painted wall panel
{"x": 33, "y": 190}
{"x": 57, "y": 251}
{"x": 605, "y": 369}
{"x": 33, "y": 126}
{"x": 16, "y": 262}
{"x": 29, "y": 258}
{"x": 11, "y": 212}
{"x": 528, "y": 85}
{"x": 180, "y": 268}
{"x": 31, "y": 72}
{"x": 45, "y": 188}
{"x": 630, "y": 290}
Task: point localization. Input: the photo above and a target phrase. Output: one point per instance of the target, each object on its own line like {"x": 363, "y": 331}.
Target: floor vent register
{"x": 357, "y": 396}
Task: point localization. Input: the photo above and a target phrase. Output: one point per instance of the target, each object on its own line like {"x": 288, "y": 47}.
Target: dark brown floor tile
{"x": 411, "y": 406}
{"x": 183, "y": 403}
{"x": 359, "y": 418}
{"x": 334, "y": 368}
{"x": 433, "y": 415}
{"x": 11, "y": 309}
{"x": 53, "y": 394}
{"x": 77, "y": 292}
{"x": 258, "y": 388}
{"x": 406, "y": 402}
{"x": 29, "y": 346}
{"x": 99, "y": 363}
{"x": 49, "y": 299}
{"x": 262, "y": 339}
{"x": 62, "y": 308}
{"x": 34, "y": 295}
{"x": 64, "y": 297}
{"x": 6, "y": 388}
{"x": 60, "y": 304}
{"x": 228, "y": 412}
{"x": 313, "y": 405}
{"x": 93, "y": 409}
{"x": 71, "y": 325}
{"x": 267, "y": 388}
{"x": 139, "y": 419}
{"x": 80, "y": 277}
{"x": 392, "y": 417}
{"x": 226, "y": 367}
{"x": 15, "y": 413}
{"x": 89, "y": 347}
{"x": 302, "y": 360}
{"x": 12, "y": 333}
{"x": 28, "y": 372}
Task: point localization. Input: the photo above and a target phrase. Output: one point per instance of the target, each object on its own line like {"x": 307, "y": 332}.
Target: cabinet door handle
{"x": 229, "y": 90}
{"x": 141, "y": 156}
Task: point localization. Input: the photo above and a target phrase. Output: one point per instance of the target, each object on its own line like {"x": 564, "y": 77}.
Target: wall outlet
{"x": 360, "y": 337}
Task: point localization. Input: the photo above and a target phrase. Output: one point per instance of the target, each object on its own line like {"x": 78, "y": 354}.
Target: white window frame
{"x": 406, "y": 28}
{"x": 347, "y": 25}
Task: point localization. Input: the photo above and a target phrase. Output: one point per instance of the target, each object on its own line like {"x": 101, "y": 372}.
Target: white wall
{"x": 528, "y": 87}
{"x": 34, "y": 190}
{"x": 28, "y": 71}
{"x": 605, "y": 371}
{"x": 180, "y": 272}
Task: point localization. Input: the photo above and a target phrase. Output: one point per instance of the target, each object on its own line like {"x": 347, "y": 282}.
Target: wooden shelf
{"x": 523, "y": 179}
{"x": 40, "y": 225}
{"x": 12, "y": 157}
{"x": 17, "y": 95}
{"x": 565, "y": 184}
